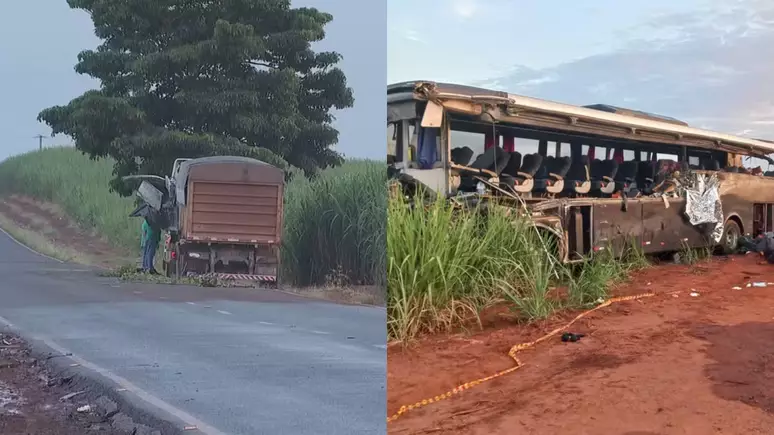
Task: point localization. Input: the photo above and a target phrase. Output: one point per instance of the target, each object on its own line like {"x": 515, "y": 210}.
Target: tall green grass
{"x": 71, "y": 180}
{"x": 446, "y": 265}
{"x": 334, "y": 224}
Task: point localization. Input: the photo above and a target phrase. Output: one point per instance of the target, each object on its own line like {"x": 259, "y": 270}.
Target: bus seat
{"x": 603, "y": 174}
{"x": 511, "y": 170}
{"x": 524, "y": 181}
{"x": 541, "y": 176}
{"x": 461, "y": 155}
{"x": 665, "y": 168}
{"x": 552, "y": 174}
{"x": 646, "y": 177}
{"x": 578, "y": 177}
{"x": 514, "y": 164}
{"x": 626, "y": 176}
{"x": 494, "y": 159}
{"x": 711, "y": 165}
{"x": 557, "y": 173}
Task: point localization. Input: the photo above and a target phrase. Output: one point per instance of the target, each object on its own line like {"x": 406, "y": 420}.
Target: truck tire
{"x": 731, "y": 235}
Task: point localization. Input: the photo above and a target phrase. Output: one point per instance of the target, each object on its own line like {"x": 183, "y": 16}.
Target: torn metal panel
{"x": 150, "y": 195}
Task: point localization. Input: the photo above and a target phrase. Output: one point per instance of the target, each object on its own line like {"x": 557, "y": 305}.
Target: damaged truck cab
{"x": 611, "y": 177}
{"x": 223, "y": 216}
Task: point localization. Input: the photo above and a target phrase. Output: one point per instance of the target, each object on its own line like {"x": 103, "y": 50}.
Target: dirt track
{"x": 672, "y": 364}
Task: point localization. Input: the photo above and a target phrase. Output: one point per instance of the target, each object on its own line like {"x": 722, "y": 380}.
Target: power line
{"x": 40, "y": 141}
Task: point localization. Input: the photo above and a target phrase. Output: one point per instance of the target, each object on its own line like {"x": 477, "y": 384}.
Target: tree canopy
{"x": 194, "y": 78}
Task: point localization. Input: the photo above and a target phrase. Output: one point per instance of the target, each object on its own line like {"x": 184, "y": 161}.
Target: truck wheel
{"x": 731, "y": 235}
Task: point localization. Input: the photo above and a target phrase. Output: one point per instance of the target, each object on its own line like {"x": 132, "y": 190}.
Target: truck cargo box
{"x": 230, "y": 199}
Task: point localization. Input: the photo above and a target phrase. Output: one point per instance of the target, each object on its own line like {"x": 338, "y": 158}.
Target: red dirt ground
{"x": 671, "y": 364}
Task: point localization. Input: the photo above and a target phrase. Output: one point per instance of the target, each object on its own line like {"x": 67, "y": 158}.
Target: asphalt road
{"x": 240, "y": 361}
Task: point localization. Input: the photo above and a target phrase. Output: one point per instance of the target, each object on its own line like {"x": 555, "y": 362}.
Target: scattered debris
{"x": 36, "y": 399}
{"x": 106, "y": 407}
{"x": 9, "y": 400}
{"x": 736, "y": 288}
{"x": 571, "y": 337}
{"x": 694, "y": 294}
{"x": 69, "y": 396}
{"x": 190, "y": 428}
{"x": 759, "y": 284}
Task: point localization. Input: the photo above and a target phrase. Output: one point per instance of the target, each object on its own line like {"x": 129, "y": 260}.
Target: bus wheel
{"x": 731, "y": 234}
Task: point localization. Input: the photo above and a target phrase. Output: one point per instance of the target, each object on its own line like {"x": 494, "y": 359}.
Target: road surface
{"x": 231, "y": 361}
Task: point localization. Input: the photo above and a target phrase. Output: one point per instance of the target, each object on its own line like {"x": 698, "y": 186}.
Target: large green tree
{"x": 193, "y": 78}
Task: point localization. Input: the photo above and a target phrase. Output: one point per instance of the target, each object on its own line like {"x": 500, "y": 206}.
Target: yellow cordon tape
{"x": 511, "y": 353}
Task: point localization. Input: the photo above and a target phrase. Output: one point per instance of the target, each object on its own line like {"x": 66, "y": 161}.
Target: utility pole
{"x": 40, "y": 141}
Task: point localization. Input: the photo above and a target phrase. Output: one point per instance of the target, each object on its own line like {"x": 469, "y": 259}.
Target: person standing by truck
{"x": 151, "y": 236}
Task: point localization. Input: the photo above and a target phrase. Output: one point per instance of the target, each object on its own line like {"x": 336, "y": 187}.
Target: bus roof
{"x": 597, "y": 116}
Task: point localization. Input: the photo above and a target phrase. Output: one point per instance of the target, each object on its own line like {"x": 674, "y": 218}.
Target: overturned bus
{"x": 223, "y": 217}
{"x": 610, "y": 177}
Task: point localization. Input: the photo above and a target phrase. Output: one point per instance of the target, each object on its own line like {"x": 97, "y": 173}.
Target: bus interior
{"x": 541, "y": 163}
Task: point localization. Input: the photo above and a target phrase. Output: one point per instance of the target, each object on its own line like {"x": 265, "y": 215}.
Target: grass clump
{"x": 693, "y": 255}
{"x": 445, "y": 265}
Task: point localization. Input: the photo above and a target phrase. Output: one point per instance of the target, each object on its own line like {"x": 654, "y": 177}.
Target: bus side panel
{"x": 741, "y": 209}
{"x": 739, "y": 193}
{"x": 615, "y": 228}
{"x": 667, "y": 228}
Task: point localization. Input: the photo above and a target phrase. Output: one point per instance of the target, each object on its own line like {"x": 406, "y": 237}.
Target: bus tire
{"x": 731, "y": 235}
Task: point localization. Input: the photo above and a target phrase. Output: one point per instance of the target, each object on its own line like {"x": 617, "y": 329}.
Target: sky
{"x": 39, "y": 46}
{"x": 706, "y": 62}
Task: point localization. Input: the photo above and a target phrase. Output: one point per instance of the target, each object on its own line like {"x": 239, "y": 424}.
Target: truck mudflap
{"x": 240, "y": 277}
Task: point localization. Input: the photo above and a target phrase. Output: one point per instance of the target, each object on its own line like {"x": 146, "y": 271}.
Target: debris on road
{"x": 35, "y": 400}
{"x": 69, "y": 396}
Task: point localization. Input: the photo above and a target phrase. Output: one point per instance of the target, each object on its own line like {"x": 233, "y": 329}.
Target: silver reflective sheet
{"x": 702, "y": 203}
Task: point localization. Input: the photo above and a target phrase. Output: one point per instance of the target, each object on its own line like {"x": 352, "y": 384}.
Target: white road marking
{"x": 381, "y": 346}
{"x": 28, "y": 248}
{"x": 224, "y": 312}
{"x": 128, "y": 386}
{"x": 191, "y": 303}
{"x": 265, "y": 323}
{"x": 320, "y": 332}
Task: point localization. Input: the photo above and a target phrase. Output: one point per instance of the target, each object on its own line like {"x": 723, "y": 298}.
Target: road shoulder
{"x": 44, "y": 393}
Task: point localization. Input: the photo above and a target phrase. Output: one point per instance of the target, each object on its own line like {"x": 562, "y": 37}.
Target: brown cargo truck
{"x": 223, "y": 217}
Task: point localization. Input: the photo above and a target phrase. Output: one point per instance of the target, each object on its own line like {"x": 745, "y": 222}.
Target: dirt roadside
{"x": 671, "y": 364}
{"x": 37, "y": 398}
